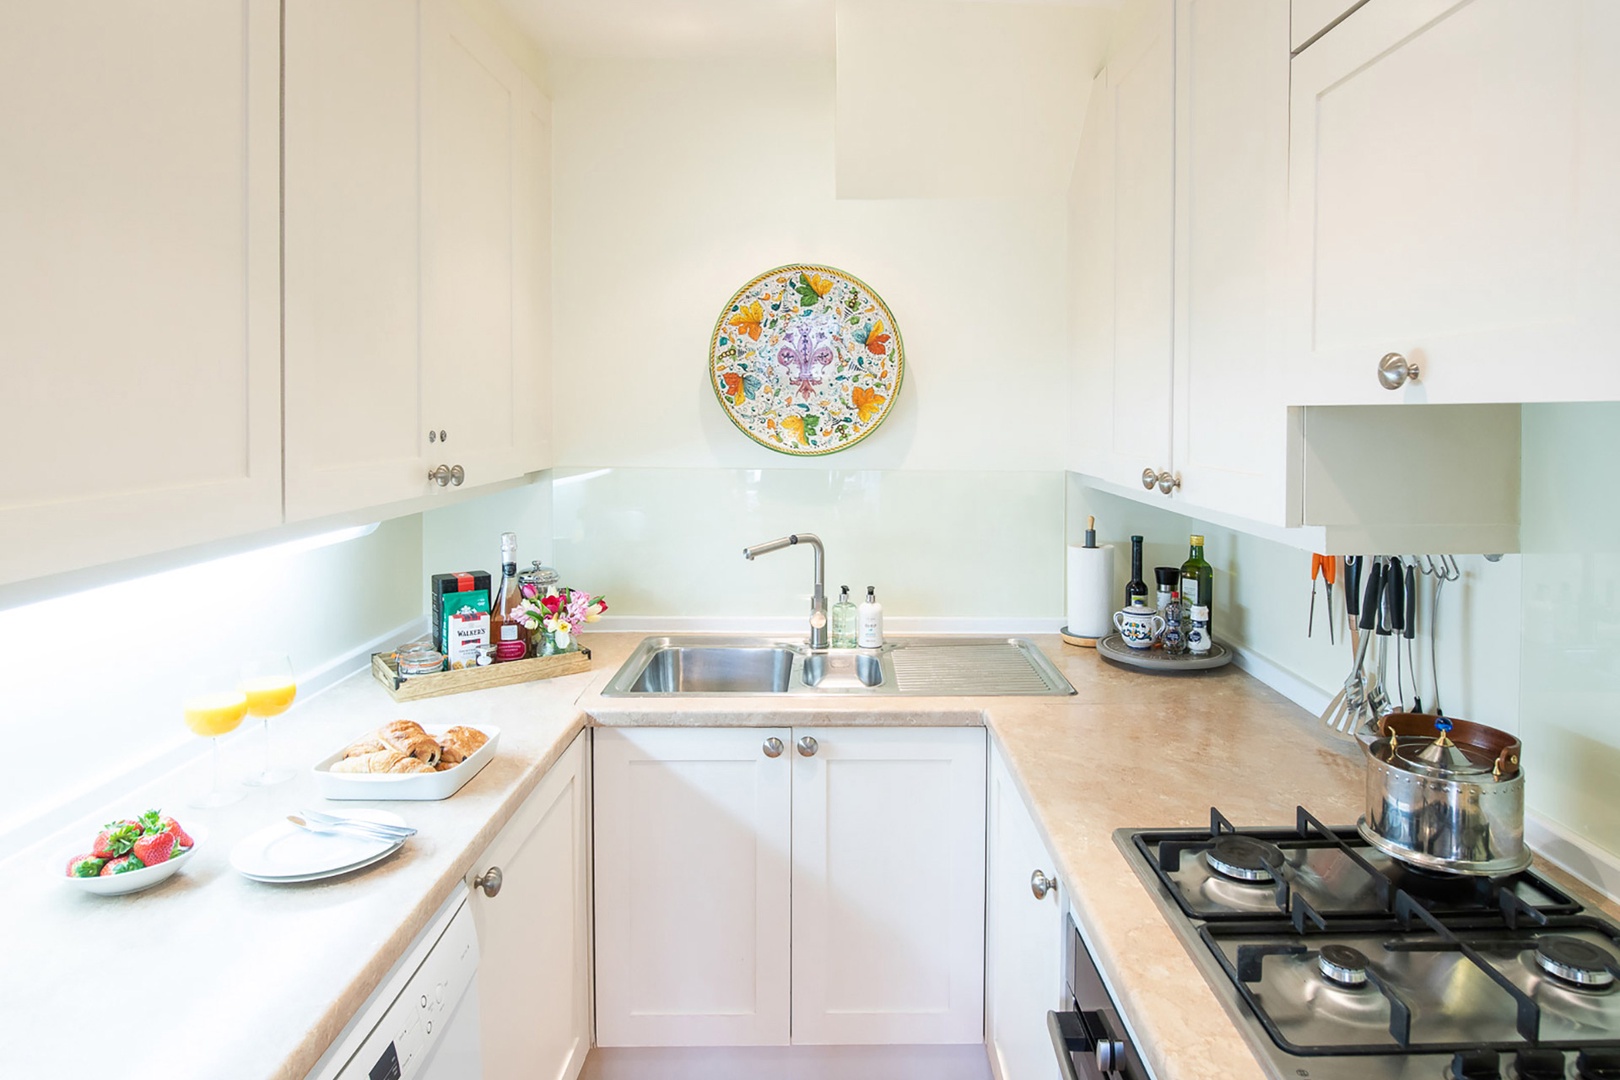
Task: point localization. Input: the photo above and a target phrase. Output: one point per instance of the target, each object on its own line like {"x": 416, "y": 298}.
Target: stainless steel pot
{"x": 1445, "y": 795}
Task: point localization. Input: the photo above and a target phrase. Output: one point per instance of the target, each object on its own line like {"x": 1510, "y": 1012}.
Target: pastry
{"x": 382, "y": 761}
{"x": 407, "y": 737}
{"x": 465, "y": 741}
{"x": 368, "y": 745}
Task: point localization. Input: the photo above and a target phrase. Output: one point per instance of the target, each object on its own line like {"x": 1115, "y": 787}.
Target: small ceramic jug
{"x": 1140, "y": 625}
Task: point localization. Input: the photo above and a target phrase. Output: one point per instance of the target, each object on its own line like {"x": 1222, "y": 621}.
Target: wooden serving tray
{"x": 477, "y": 678}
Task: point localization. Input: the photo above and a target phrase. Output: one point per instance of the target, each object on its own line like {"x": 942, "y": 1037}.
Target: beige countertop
{"x": 255, "y": 980}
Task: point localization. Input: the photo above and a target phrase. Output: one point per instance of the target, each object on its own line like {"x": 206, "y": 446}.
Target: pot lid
{"x": 1442, "y": 756}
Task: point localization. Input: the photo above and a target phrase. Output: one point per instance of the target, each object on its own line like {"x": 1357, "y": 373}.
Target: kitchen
{"x": 1005, "y": 222}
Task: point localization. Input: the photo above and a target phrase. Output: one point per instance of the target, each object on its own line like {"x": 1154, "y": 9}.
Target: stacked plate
{"x": 284, "y": 854}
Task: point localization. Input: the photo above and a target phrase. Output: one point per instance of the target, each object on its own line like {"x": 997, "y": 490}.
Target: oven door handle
{"x": 1075, "y": 1033}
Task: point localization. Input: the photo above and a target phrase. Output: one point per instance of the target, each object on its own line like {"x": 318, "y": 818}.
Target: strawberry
{"x": 121, "y": 865}
{"x": 154, "y": 847}
{"x": 116, "y": 838}
{"x": 85, "y": 866}
{"x": 152, "y": 821}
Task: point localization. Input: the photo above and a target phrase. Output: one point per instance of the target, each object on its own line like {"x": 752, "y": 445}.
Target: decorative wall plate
{"x": 806, "y": 360}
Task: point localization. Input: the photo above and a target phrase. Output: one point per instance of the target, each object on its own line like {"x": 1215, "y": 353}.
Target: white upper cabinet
{"x": 486, "y": 137}
{"x": 139, "y": 295}
{"x": 1452, "y": 180}
{"x": 1231, "y": 420}
{"x": 355, "y": 430}
{"x": 888, "y": 885}
{"x": 1124, "y": 243}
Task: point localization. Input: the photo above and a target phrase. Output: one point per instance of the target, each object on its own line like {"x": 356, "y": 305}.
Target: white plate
{"x": 328, "y": 874}
{"x": 284, "y": 852}
{"x": 419, "y": 787}
{"x": 134, "y": 880}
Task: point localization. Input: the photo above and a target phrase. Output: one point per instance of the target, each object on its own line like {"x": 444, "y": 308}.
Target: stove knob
{"x": 1476, "y": 1065}
{"x": 1539, "y": 1065}
{"x": 1110, "y": 1055}
{"x": 1597, "y": 1064}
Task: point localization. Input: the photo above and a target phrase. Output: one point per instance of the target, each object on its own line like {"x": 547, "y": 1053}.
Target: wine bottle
{"x": 1198, "y": 596}
{"x": 1136, "y": 591}
{"x": 510, "y": 642}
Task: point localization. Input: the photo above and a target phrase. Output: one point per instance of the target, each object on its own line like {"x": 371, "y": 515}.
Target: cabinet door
{"x": 888, "y": 886}
{"x": 692, "y": 880}
{"x": 1024, "y": 950}
{"x": 1452, "y": 170}
{"x": 1141, "y": 134}
{"x": 485, "y": 145}
{"x": 354, "y": 429}
{"x": 139, "y": 278}
{"x": 1231, "y": 441}
{"x": 534, "y": 934}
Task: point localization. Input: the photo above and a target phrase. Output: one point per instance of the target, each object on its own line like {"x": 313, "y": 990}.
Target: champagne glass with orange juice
{"x": 268, "y": 684}
{"x": 214, "y": 707}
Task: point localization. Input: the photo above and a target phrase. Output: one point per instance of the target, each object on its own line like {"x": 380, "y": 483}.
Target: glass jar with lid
{"x": 538, "y": 581}
{"x": 419, "y": 658}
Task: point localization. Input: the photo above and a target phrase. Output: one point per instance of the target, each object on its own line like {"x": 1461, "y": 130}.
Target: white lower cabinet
{"x": 1024, "y": 950}
{"x": 764, "y": 886}
{"x": 534, "y": 934}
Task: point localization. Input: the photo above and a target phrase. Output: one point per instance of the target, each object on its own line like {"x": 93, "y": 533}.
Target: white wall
{"x": 102, "y": 671}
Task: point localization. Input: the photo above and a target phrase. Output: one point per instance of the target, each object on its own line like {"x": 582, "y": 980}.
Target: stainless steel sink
{"x": 714, "y": 669}
{"x": 918, "y": 667}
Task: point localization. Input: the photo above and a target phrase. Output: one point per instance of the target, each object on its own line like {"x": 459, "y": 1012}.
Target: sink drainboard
{"x": 1000, "y": 667}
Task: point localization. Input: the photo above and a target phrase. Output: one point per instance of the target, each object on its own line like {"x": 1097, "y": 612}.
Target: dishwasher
{"x": 422, "y": 1022}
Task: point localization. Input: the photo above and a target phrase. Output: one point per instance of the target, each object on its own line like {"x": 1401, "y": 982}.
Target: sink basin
{"x": 918, "y": 667}
{"x": 846, "y": 670}
{"x": 732, "y": 669}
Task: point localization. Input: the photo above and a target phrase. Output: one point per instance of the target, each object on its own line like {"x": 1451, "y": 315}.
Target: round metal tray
{"x": 1114, "y": 648}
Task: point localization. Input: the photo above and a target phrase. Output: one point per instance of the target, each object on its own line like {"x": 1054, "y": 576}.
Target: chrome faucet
{"x": 818, "y": 598}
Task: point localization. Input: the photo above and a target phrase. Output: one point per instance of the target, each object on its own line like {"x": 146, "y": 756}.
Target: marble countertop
{"x": 259, "y": 979}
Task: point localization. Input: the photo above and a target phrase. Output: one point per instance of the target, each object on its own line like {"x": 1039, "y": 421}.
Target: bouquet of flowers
{"x": 554, "y": 621}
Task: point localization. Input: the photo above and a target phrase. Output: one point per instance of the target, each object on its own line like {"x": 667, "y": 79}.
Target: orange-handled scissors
{"x": 1328, "y": 567}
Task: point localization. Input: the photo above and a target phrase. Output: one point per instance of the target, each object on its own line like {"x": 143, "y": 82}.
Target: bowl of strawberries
{"x": 132, "y": 854}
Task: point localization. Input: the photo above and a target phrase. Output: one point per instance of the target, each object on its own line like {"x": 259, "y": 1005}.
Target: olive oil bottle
{"x": 1198, "y": 598}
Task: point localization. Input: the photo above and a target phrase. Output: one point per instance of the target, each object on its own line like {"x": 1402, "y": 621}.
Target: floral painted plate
{"x": 806, "y": 360}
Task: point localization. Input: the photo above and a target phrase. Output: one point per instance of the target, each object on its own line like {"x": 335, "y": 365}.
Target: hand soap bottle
{"x": 843, "y": 621}
{"x": 869, "y": 620}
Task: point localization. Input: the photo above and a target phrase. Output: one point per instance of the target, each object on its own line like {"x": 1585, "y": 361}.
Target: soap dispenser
{"x": 843, "y": 621}
{"x": 869, "y": 633}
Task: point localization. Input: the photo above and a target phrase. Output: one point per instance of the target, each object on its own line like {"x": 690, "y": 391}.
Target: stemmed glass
{"x": 268, "y": 684}
{"x": 213, "y": 707}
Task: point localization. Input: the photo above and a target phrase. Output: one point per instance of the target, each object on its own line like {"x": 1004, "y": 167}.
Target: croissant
{"x": 407, "y": 737}
{"x": 368, "y": 745}
{"x": 464, "y": 741}
{"x": 382, "y": 761}
{"x": 449, "y": 755}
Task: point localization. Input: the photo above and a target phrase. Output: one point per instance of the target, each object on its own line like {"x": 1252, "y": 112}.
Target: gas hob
{"x": 1341, "y": 963}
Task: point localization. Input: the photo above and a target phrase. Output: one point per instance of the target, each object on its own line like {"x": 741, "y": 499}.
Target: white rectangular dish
{"x": 415, "y": 787}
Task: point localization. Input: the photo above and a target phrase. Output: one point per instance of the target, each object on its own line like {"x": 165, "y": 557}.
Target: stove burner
{"x": 1245, "y": 859}
{"x": 1574, "y": 961}
{"x": 1343, "y": 966}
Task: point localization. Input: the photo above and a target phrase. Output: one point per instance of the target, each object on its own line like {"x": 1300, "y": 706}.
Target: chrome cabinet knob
{"x": 1394, "y": 371}
{"x": 1150, "y": 476}
{"x": 1110, "y": 1055}
{"x": 773, "y": 747}
{"x": 445, "y": 475}
{"x": 489, "y": 881}
{"x": 1168, "y": 482}
{"x": 807, "y": 747}
{"x": 458, "y": 474}
{"x": 1040, "y": 884}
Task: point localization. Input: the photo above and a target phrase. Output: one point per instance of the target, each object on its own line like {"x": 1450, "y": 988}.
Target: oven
{"x": 1089, "y": 1037}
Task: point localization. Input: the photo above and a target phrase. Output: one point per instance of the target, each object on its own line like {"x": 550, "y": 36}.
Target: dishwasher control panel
{"x": 405, "y": 1037}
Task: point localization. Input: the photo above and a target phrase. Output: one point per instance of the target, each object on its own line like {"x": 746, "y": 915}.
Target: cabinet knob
{"x": 1168, "y": 482}
{"x": 1150, "y": 476}
{"x": 807, "y": 747}
{"x": 489, "y": 881}
{"x": 440, "y": 476}
{"x": 1040, "y": 884}
{"x": 773, "y": 747}
{"x": 1394, "y": 371}
{"x": 458, "y": 474}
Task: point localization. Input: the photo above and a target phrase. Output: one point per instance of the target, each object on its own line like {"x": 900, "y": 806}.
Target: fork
{"x": 316, "y": 821}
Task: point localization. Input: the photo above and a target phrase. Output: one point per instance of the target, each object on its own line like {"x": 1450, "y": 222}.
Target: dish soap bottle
{"x": 869, "y": 632}
{"x": 843, "y": 621}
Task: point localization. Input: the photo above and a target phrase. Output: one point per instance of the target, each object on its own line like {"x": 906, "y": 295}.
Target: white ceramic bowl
{"x": 133, "y": 880}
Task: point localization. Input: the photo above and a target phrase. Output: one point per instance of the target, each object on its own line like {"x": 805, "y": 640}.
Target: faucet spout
{"x": 818, "y": 597}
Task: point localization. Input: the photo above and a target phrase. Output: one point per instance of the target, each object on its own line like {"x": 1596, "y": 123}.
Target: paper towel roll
{"x": 1090, "y": 591}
